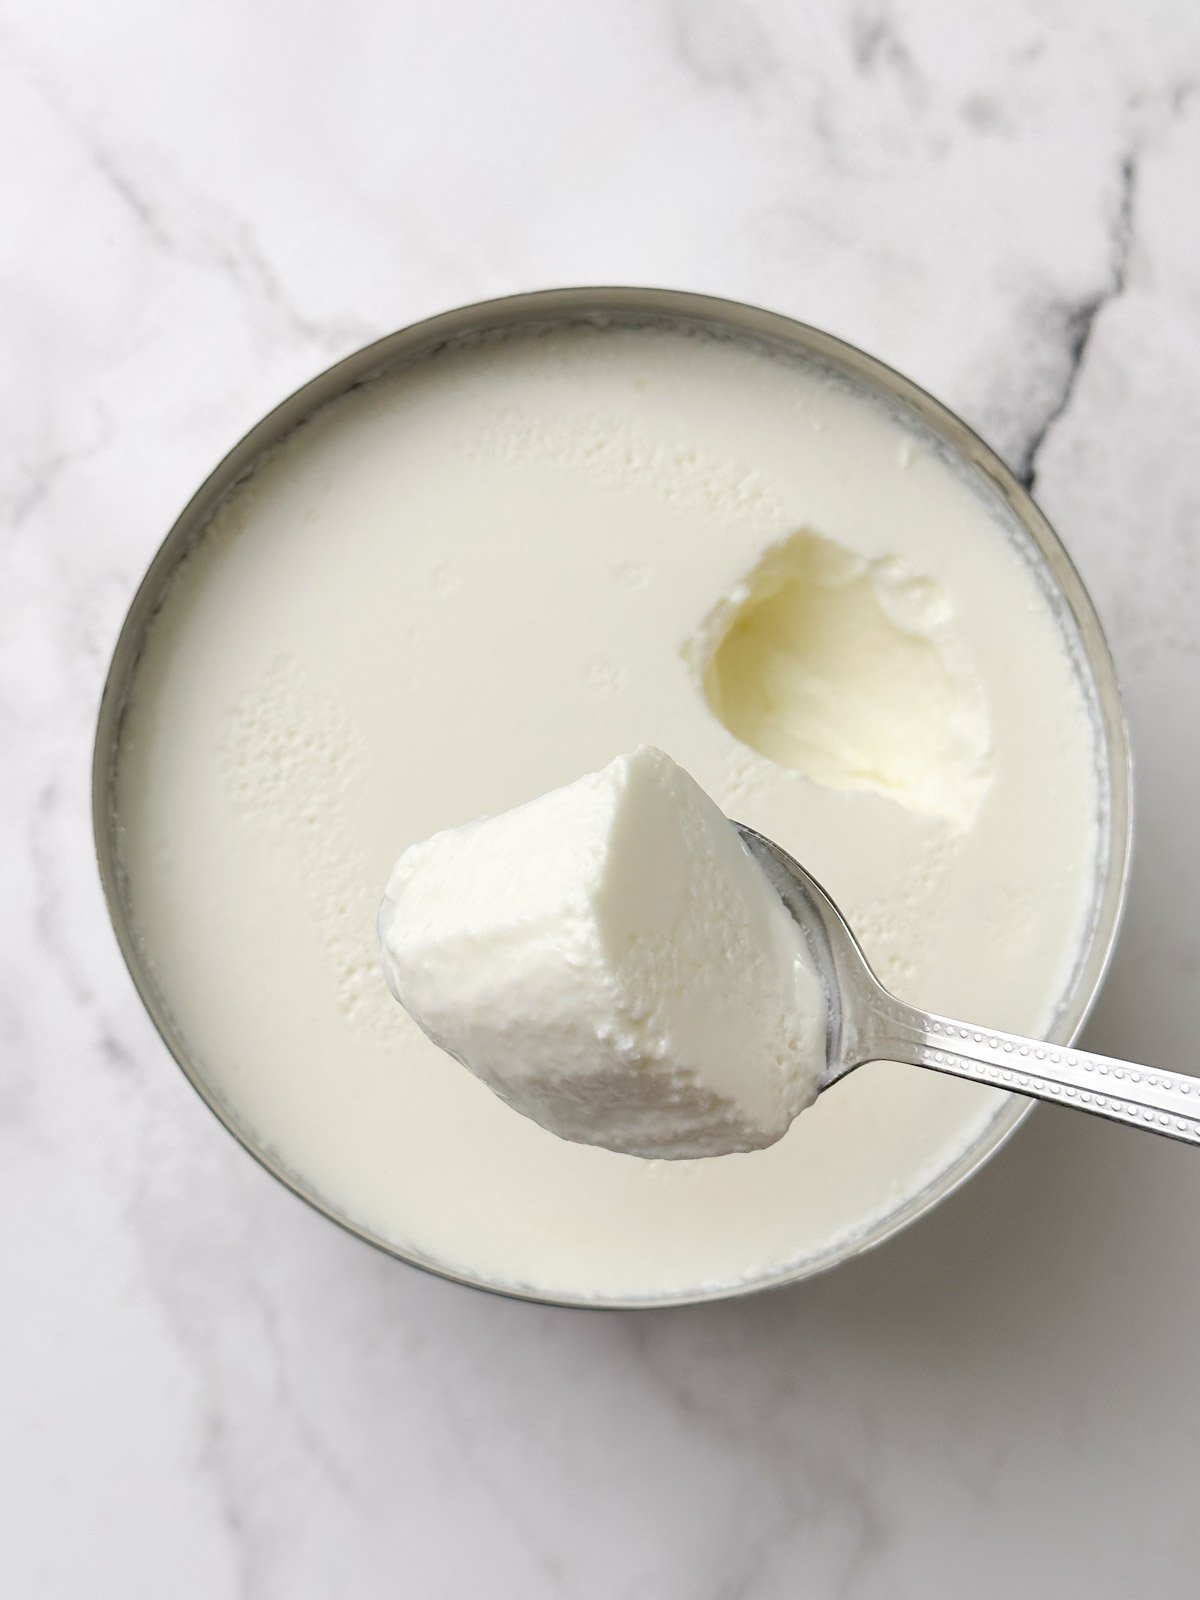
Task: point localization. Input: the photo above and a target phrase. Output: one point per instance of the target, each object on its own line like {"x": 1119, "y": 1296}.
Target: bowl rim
{"x": 607, "y": 306}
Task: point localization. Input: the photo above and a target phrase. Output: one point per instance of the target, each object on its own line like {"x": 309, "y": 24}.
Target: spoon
{"x": 866, "y": 1023}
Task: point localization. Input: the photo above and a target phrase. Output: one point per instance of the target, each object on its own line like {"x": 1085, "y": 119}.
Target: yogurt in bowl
{"x": 496, "y": 551}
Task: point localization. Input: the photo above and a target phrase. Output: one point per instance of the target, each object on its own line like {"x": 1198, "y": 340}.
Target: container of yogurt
{"x": 493, "y": 551}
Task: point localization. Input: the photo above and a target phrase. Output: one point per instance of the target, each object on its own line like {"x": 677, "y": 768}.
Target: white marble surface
{"x": 208, "y": 1391}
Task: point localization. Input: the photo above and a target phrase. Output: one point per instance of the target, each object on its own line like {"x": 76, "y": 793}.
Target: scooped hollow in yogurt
{"x": 852, "y": 672}
{"x": 614, "y": 964}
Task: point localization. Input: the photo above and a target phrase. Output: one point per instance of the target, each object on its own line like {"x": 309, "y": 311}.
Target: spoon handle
{"x": 1145, "y": 1097}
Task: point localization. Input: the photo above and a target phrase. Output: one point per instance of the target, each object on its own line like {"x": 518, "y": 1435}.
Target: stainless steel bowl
{"x": 651, "y": 307}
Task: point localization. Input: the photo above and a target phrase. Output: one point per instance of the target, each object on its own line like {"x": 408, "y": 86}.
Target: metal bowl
{"x": 652, "y": 307}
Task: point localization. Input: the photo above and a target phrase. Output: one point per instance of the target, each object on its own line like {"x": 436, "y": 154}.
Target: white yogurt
{"x": 612, "y": 961}
{"x": 469, "y": 582}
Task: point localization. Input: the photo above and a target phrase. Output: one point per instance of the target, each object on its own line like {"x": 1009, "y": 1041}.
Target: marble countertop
{"x": 207, "y": 1390}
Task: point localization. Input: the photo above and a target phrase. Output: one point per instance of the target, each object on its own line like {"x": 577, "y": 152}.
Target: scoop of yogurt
{"x": 614, "y": 964}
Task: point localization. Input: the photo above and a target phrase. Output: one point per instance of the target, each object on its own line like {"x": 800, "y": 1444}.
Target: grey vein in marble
{"x": 1079, "y": 320}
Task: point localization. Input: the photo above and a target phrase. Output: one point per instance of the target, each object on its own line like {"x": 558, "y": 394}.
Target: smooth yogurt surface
{"x": 468, "y": 582}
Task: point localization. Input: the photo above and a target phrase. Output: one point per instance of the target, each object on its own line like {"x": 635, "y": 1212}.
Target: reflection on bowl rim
{"x": 634, "y": 306}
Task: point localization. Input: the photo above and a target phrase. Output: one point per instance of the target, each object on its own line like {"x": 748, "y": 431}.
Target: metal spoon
{"x": 866, "y": 1023}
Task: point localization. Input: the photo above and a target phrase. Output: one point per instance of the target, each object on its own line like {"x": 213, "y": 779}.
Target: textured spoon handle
{"x": 1145, "y": 1097}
